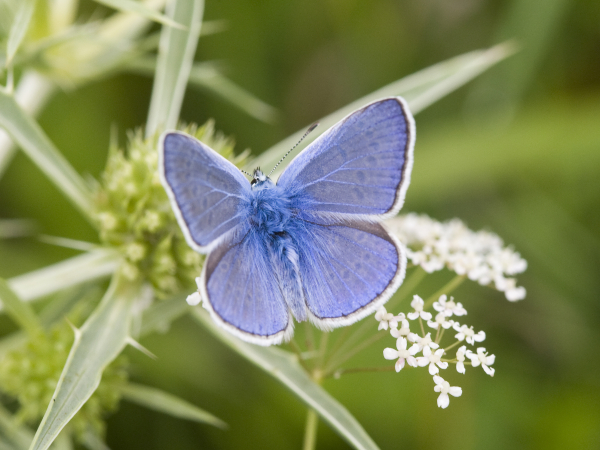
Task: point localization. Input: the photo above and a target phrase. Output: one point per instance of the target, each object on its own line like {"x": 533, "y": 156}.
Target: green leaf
{"x": 212, "y": 80}
{"x": 21, "y": 312}
{"x": 141, "y": 9}
{"x": 100, "y": 340}
{"x": 34, "y": 142}
{"x": 18, "y": 435}
{"x": 175, "y": 58}
{"x": 284, "y": 367}
{"x": 19, "y": 28}
{"x": 205, "y": 75}
{"x": 420, "y": 90}
{"x": 164, "y": 402}
{"x": 93, "y": 265}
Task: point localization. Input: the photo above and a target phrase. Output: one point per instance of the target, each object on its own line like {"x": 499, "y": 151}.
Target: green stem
{"x": 340, "y": 372}
{"x": 323, "y": 348}
{"x": 340, "y": 340}
{"x": 309, "y": 336}
{"x": 453, "y": 345}
{"x": 446, "y": 289}
{"x": 335, "y": 362}
{"x": 310, "y": 430}
{"x": 409, "y": 284}
{"x": 298, "y": 351}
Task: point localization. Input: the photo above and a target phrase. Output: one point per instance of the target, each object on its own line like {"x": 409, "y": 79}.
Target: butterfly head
{"x": 260, "y": 180}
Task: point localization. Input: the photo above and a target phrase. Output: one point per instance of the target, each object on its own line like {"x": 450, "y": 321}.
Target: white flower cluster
{"x": 480, "y": 255}
{"x": 432, "y": 354}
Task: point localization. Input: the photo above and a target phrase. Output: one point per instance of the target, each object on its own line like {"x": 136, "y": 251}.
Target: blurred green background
{"x": 517, "y": 152}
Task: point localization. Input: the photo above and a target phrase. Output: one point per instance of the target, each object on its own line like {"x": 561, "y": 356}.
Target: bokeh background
{"x": 516, "y": 152}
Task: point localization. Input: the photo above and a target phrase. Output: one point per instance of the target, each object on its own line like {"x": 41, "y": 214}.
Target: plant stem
{"x": 310, "y": 430}
{"x": 334, "y": 362}
{"x": 446, "y": 289}
{"x": 409, "y": 285}
{"x": 341, "y": 372}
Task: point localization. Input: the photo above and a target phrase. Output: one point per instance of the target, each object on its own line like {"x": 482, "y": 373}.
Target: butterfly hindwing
{"x": 361, "y": 166}
{"x": 348, "y": 270}
{"x": 239, "y": 288}
{"x": 207, "y": 191}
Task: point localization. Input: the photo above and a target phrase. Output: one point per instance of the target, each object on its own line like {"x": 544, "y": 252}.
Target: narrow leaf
{"x": 19, "y": 435}
{"x": 34, "y": 142}
{"x": 77, "y": 270}
{"x": 175, "y": 58}
{"x": 284, "y": 367}
{"x": 99, "y": 341}
{"x": 141, "y": 9}
{"x": 20, "y": 312}
{"x": 164, "y": 402}
{"x": 205, "y": 75}
{"x": 420, "y": 90}
{"x": 228, "y": 90}
{"x": 19, "y": 28}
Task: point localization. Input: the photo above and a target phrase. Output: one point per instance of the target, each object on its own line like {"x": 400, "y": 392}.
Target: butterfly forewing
{"x": 361, "y": 166}
{"x": 206, "y": 191}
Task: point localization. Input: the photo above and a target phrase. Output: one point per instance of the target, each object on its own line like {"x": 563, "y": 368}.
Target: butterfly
{"x": 310, "y": 246}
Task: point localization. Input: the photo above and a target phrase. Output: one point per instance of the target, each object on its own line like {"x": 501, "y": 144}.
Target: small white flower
{"x": 404, "y": 331}
{"x": 387, "y": 319}
{"x": 423, "y": 342}
{"x": 481, "y": 357}
{"x": 460, "y": 357}
{"x": 402, "y": 354}
{"x": 433, "y": 359}
{"x": 444, "y": 388}
{"x": 515, "y": 294}
{"x": 468, "y": 334}
{"x": 417, "y": 305}
{"x": 479, "y": 255}
{"x": 441, "y": 319}
{"x": 449, "y": 307}
{"x": 193, "y": 299}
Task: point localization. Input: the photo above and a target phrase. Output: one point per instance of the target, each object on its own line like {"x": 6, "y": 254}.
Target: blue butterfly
{"x": 311, "y": 245}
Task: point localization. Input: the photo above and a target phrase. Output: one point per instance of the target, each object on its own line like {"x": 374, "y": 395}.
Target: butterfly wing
{"x": 242, "y": 293}
{"x": 207, "y": 192}
{"x": 348, "y": 270}
{"x": 360, "y": 166}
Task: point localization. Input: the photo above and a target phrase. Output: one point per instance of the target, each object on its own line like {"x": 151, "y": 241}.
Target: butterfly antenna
{"x": 311, "y": 128}
{"x": 246, "y": 173}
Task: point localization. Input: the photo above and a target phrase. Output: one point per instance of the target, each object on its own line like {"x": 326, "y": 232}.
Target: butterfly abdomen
{"x": 284, "y": 256}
